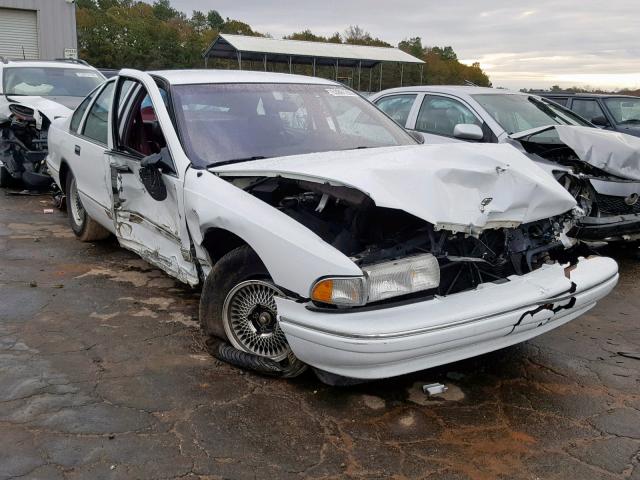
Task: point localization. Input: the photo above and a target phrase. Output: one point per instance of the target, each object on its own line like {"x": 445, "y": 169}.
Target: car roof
{"x": 453, "y": 89}
{"x": 46, "y": 63}
{"x": 588, "y": 95}
{"x": 191, "y": 77}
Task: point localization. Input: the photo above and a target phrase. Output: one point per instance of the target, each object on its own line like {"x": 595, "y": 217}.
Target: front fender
{"x": 294, "y": 255}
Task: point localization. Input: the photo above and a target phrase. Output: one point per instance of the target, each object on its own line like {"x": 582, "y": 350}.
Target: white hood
{"x": 46, "y": 107}
{"x": 612, "y": 152}
{"x": 462, "y": 187}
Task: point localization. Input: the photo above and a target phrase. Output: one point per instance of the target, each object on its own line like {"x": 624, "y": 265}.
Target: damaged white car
{"x": 33, "y": 93}
{"x": 322, "y": 233}
{"x": 600, "y": 168}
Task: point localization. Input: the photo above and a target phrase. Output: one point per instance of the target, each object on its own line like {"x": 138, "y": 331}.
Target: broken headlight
{"x": 380, "y": 282}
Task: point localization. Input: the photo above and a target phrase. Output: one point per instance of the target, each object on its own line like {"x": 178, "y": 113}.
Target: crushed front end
{"x": 602, "y": 176}
{"x": 23, "y": 146}
{"x": 429, "y": 294}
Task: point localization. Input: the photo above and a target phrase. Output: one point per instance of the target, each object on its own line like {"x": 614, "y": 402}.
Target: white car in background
{"x": 601, "y": 169}
{"x": 321, "y": 233}
{"x": 33, "y": 93}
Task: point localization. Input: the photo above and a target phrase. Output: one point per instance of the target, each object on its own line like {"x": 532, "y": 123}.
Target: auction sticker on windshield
{"x": 340, "y": 92}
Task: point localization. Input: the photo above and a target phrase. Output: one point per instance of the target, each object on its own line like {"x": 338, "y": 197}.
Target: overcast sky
{"x": 518, "y": 43}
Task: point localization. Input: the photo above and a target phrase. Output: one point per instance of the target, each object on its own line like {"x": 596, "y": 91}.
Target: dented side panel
{"x": 153, "y": 229}
{"x": 294, "y": 255}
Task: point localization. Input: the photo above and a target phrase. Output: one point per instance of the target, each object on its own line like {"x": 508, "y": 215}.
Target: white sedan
{"x": 600, "y": 168}
{"x": 321, "y": 232}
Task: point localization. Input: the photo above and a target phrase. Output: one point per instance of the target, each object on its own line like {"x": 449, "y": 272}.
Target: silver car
{"x": 601, "y": 169}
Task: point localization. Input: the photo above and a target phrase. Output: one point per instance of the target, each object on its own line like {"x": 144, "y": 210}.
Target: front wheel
{"x": 85, "y": 227}
{"x": 238, "y": 306}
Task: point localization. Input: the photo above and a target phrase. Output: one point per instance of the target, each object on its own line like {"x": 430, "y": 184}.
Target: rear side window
{"x": 440, "y": 115}
{"x": 79, "y": 113}
{"x": 588, "y": 109}
{"x": 397, "y": 107}
{"x": 96, "y": 125}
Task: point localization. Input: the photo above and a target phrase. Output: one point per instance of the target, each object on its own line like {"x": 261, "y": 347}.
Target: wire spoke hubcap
{"x": 250, "y": 320}
{"x": 77, "y": 210}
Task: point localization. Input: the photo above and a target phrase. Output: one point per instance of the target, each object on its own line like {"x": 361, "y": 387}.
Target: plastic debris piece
{"x": 434, "y": 388}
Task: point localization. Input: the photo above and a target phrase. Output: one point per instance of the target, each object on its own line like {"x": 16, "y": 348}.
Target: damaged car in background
{"x": 321, "y": 233}
{"x": 601, "y": 169}
{"x": 32, "y": 94}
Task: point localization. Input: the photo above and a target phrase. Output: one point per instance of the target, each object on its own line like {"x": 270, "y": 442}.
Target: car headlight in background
{"x": 380, "y": 281}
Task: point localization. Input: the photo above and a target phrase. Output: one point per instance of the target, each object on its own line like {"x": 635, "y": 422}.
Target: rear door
{"x": 398, "y": 106}
{"x": 147, "y": 200}
{"x": 85, "y": 152}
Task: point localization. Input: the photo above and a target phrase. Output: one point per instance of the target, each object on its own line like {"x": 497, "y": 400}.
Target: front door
{"x": 145, "y": 186}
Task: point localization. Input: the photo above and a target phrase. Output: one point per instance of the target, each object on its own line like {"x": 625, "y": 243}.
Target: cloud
{"x": 520, "y": 44}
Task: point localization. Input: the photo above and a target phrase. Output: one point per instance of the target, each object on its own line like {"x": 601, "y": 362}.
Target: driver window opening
{"x": 142, "y": 133}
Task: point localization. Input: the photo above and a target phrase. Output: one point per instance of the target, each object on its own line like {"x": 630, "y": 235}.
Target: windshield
{"x": 517, "y": 113}
{"x": 225, "y": 123}
{"x": 624, "y": 110}
{"x": 50, "y": 81}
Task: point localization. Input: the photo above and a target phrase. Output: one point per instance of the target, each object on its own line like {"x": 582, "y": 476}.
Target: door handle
{"x": 77, "y": 149}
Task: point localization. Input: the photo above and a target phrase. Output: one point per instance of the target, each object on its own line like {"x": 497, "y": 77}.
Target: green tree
{"x": 215, "y": 20}
{"x": 413, "y": 46}
{"x": 237, "y": 27}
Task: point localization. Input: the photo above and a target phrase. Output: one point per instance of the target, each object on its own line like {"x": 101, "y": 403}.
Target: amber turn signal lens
{"x": 323, "y": 291}
{"x": 341, "y": 291}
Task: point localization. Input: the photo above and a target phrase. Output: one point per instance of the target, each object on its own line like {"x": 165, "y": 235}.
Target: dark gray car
{"x": 620, "y": 113}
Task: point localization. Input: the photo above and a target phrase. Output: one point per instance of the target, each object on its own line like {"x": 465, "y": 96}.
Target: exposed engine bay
{"x": 350, "y": 221}
{"x": 23, "y": 146}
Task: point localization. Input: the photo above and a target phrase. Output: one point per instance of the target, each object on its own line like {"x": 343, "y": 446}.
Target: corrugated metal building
{"x": 44, "y": 29}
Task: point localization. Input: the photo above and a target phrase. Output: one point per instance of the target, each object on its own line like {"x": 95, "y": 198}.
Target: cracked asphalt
{"x": 103, "y": 374}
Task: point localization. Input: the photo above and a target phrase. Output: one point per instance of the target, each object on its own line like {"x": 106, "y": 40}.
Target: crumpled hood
{"x": 461, "y": 187}
{"x": 50, "y": 107}
{"x": 613, "y": 152}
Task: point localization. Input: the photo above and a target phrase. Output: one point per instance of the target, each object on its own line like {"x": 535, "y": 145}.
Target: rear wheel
{"x": 85, "y": 227}
{"x": 238, "y": 306}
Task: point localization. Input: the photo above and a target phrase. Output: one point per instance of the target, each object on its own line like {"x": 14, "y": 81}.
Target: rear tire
{"x": 84, "y": 227}
{"x": 237, "y": 306}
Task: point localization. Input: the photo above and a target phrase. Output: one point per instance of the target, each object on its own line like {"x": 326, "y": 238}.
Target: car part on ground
{"x": 353, "y": 250}
{"x": 23, "y": 148}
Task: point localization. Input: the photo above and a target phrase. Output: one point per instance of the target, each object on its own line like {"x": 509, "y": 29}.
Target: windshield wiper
{"x": 236, "y": 160}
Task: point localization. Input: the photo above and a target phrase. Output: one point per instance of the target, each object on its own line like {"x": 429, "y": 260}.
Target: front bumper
{"x": 386, "y": 342}
{"x": 611, "y": 228}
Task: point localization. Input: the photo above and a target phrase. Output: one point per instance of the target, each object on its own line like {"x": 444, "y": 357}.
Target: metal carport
{"x": 260, "y": 49}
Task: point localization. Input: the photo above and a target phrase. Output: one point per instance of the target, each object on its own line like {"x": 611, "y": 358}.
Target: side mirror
{"x": 417, "y": 136}
{"x": 468, "y": 131}
{"x": 600, "y": 121}
{"x": 151, "y": 174}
